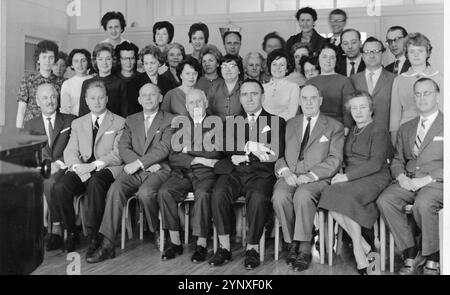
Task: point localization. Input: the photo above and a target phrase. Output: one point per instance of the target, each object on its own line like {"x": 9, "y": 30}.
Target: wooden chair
{"x": 126, "y": 222}
{"x": 79, "y": 210}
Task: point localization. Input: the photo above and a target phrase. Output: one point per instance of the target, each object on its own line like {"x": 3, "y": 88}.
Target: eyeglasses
{"x": 392, "y": 41}
{"x": 128, "y": 58}
{"x": 426, "y": 94}
{"x": 367, "y": 52}
{"x": 228, "y": 66}
{"x": 336, "y": 21}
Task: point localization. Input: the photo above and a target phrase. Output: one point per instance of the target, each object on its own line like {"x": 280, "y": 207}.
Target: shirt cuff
{"x": 99, "y": 164}
{"x": 282, "y": 170}
{"x": 140, "y": 164}
{"x": 316, "y": 178}
{"x": 61, "y": 164}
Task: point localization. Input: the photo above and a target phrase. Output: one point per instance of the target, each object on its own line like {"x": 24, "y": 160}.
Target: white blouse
{"x": 281, "y": 98}
{"x": 70, "y": 94}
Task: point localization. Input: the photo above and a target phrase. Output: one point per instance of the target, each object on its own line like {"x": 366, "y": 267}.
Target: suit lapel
{"x": 381, "y": 81}
{"x": 434, "y": 130}
{"x": 412, "y": 135}
{"x": 317, "y": 130}
{"x": 88, "y": 128}
{"x": 363, "y": 81}
{"x": 106, "y": 123}
{"x": 299, "y": 131}
{"x": 157, "y": 121}
{"x": 59, "y": 123}
{"x": 140, "y": 130}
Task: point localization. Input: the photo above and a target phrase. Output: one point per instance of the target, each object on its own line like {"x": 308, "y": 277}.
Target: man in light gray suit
{"x": 375, "y": 80}
{"x": 418, "y": 169}
{"x": 313, "y": 155}
{"x": 144, "y": 147}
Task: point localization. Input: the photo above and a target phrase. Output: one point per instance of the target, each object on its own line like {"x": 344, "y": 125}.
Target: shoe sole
{"x": 224, "y": 262}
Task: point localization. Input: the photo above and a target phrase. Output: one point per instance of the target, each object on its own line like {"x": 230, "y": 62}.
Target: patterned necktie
{"x": 396, "y": 63}
{"x": 147, "y": 125}
{"x": 50, "y": 131}
{"x": 420, "y": 137}
{"x": 352, "y": 71}
{"x": 370, "y": 85}
{"x": 251, "y": 122}
{"x": 305, "y": 138}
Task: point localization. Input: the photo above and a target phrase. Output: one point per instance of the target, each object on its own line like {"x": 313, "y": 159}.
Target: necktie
{"x": 305, "y": 139}
{"x": 419, "y": 138}
{"x": 370, "y": 85}
{"x": 50, "y": 131}
{"x": 352, "y": 71}
{"x": 397, "y": 61}
{"x": 147, "y": 125}
{"x": 95, "y": 131}
{"x": 333, "y": 41}
{"x": 251, "y": 122}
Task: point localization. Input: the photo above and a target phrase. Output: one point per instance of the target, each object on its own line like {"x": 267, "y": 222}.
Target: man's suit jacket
{"x": 79, "y": 148}
{"x": 151, "y": 148}
{"x": 323, "y": 153}
{"x": 430, "y": 159}
{"x": 61, "y": 134}
{"x": 341, "y": 66}
{"x": 269, "y": 129}
{"x": 381, "y": 95}
{"x": 405, "y": 67}
{"x": 197, "y": 146}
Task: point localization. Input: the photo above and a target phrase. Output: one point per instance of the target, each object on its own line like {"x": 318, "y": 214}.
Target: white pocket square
{"x": 323, "y": 139}
{"x": 158, "y": 131}
{"x": 265, "y": 129}
{"x": 65, "y": 130}
{"x": 109, "y": 132}
{"x": 438, "y": 138}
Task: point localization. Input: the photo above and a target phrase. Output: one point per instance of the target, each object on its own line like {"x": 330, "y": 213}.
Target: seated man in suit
{"x": 253, "y": 156}
{"x": 144, "y": 147}
{"x": 313, "y": 155}
{"x": 57, "y": 128}
{"x": 396, "y": 39}
{"x": 376, "y": 81}
{"x": 92, "y": 158}
{"x": 193, "y": 170}
{"x": 352, "y": 62}
{"x": 418, "y": 168}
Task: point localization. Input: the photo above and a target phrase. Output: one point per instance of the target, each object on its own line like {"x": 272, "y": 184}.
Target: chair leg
{"x": 141, "y": 221}
{"x": 244, "y": 225}
{"x": 161, "y": 234}
{"x": 330, "y": 239}
{"x": 81, "y": 214}
{"x": 186, "y": 223}
{"x": 322, "y": 236}
{"x": 391, "y": 252}
{"x": 214, "y": 239}
{"x": 128, "y": 220}
{"x": 382, "y": 244}
{"x": 339, "y": 239}
{"x": 441, "y": 239}
{"x": 376, "y": 231}
{"x": 262, "y": 245}
{"x": 277, "y": 238}
{"x": 122, "y": 236}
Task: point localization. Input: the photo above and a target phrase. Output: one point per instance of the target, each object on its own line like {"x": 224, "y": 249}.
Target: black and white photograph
{"x": 223, "y": 143}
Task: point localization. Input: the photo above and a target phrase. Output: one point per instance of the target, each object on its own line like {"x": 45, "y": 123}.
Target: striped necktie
{"x": 420, "y": 137}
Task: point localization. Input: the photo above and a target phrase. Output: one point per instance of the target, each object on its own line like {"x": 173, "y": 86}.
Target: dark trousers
{"x": 257, "y": 191}
{"x": 49, "y": 183}
{"x": 175, "y": 191}
{"x": 95, "y": 189}
{"x": 145, "y": 185}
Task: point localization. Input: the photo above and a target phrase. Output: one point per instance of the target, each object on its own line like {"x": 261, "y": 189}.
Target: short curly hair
{"x": 193, "y": 63}
{"x": 307, "y": 10}
{"x": 113, "y": 15}
{"x": 164, "y": 25}
{"x": 83, "y": 51}
{"x": 277, "y": 54}
{"x": 126, "y": 46}
{"x": 228, "y": 58}
{"x": 199, "y": 27}
{"x": 103, "y": 47}
{"x": 152, "y": 50}
{"x": 44, "y": 47}
{"x": 273, "y": 35}
{"x": 418, "y": 39}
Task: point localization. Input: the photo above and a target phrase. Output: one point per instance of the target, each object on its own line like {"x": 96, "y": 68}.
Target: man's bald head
{"x": 47, "y": 98}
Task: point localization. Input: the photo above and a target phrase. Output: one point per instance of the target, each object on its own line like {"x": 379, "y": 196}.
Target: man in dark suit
{"x": 144, "y": 147}
{"x": 254, "y": 146}
{"x": 376, "y": 81}
{"x": 313, "y": 155}
{"x": 93, "y": 162}
{"x": 396, "y": 39}
{"x": 418, "y": 168}
{"x": 352, "y": 62}
{"x": 337, "y": 20}
{"x": 57, "y": 128}
{"x": 193, "y": 164}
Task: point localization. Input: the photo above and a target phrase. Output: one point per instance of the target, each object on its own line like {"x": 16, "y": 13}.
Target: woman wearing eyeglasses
{"x": 224, "y": 97}
{"x": 335, "y": 87}
{"x": 281, "y": 96}
{"x": 403, "y": 105}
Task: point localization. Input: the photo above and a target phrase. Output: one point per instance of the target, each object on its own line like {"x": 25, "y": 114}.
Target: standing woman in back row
{"x": 198, "y": 37}
{"x": 114, "y": 23}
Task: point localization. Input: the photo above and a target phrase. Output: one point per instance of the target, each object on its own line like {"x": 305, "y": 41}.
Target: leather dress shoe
{"x": 292, "y": 253}
{"x": 72, "y": 242}
{"x": 172, "y": 251}
{"x": 222, "y": 256}
{"x": 251, "y": 259}
{"x": 106, "y": 251}
{"x": 94, "y": 244}
{"x": 302, "y": 262}
{"x": 54, "y": 242}
{"x": 199, "y": 254}
{"x": 412, "y": 266}
{"x": 432, "y": 268}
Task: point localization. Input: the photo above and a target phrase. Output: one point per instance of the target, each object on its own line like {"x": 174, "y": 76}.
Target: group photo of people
{"x": 327, "y": 129}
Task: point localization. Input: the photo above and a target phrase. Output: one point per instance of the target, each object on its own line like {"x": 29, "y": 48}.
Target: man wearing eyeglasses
{"x": 375, "y": 80}
{"x": 337, "y": 20}
{"x": 351, "y": 45}
{"x": 396, "y": 40}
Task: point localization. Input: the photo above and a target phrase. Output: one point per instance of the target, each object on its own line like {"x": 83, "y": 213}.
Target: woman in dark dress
{"x": 352, "y": 195}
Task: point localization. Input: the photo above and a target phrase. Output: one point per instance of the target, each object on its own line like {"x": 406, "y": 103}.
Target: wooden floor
{"x": 142, "y": 258}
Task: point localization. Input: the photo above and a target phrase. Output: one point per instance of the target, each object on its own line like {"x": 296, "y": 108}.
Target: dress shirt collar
{"x": 52, "y": 117}
{"x": 199, "y": 121}
{"x": 357, "y": 61}
{"x": 256, "y": 114}
{"x": 376, "y": 73}
{"x": 429, "y": 72}
{"x": 430, "y": 118}
{"x": 100, "y": 118}
{"x": 150, "y": 116}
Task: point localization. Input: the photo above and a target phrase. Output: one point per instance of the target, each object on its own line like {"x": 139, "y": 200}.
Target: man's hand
{"x": 81, "y": 169}
{"x": 204, "y": 161}
{"x": 405, "y": 182}
{"x": 132, "y": 167}
{"x": 289, "y": 177}
{"x": 419, "y": 183}
{"x": 154, "y": 168}
{"x": 237, "y": 159}
{"x": 340, "y": 177}
{"x": 304, "y": 179}
{"x": 258, "y": 149}
{"x": 55, "y": 168}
